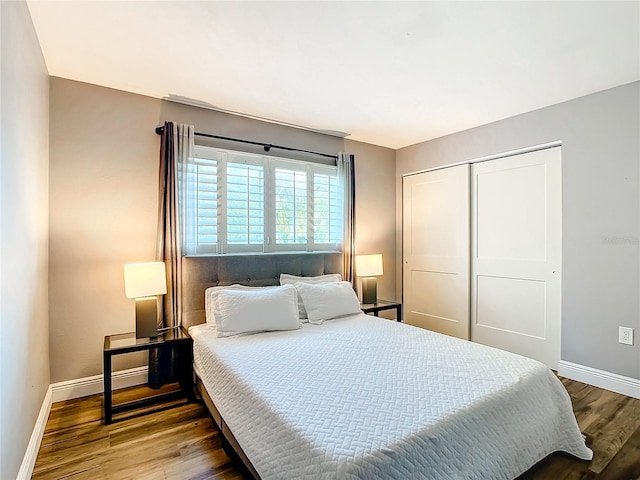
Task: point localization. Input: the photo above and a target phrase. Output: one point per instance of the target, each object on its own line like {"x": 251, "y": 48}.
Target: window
{"x": 244, "y": 204}
{"x": 241, "y": 202}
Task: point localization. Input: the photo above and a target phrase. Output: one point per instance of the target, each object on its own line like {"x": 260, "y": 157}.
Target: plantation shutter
{"x": 242, "y": 202}
{"x": 291, "y": 206}
{"x": 245, "y": 204}
{"x": 327, "y": 211}
{"x": 207, "y": 205}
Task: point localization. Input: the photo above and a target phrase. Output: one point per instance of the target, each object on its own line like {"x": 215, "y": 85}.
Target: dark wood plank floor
{"x": 182, "y": 442}
{"x": 611, "y": 423}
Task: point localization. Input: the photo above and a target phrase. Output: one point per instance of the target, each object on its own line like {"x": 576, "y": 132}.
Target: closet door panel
{"x": 436, "y": 250}
{"x": 435, "y": 300}
{"x": 516, "y": 254}
{"x": 511, "y": 210}
{"x": 511, "y": 305}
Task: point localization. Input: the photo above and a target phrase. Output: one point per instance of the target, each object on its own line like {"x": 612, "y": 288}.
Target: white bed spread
{"x": 362, "y": 397}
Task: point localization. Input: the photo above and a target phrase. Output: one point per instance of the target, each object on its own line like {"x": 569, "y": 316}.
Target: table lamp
{"x": 368, "y": 267}
{"x": 144, "y": 281}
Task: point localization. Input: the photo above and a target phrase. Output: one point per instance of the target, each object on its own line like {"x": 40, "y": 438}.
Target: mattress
{"x": 364, "y": 397}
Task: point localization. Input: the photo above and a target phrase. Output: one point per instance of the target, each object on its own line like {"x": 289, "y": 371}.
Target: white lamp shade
{"x": 369, "y": 265}
{"x": 144, "y": 279}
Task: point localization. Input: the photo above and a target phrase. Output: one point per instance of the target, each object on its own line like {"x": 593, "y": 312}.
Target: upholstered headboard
{"x": 200, "y": 273}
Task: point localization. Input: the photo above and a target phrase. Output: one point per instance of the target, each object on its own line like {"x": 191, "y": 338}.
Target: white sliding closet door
{"x": 436, "y": 250}
{"x": 516, "y": 254}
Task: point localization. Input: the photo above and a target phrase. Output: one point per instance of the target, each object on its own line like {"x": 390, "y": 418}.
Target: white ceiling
{"x": 388, "y": 73}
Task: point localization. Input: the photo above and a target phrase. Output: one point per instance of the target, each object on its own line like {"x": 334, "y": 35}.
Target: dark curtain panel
{"x": 346, "y": 168}
{"x": 168, "y": 245}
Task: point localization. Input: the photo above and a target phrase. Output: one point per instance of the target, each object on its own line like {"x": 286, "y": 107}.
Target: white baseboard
{"x": 31, "y": 454}
{"x": 599, "y": 378}
{"x": 82, "y": 387}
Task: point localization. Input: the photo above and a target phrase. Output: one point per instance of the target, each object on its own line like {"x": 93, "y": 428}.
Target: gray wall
{"x": 24, "y": 152}
{"x": 103, "y": 195}
{"x": 600, "y": 136}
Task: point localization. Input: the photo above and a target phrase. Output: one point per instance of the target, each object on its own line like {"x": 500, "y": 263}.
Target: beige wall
{"x": 600, "y": 212}
{"x": 375, "y": 209}
{"x": 24, "y": 152}
{"x": 103, "y": 210}
{"x": 104, "y": 167}
{"x": 209, "y": 121}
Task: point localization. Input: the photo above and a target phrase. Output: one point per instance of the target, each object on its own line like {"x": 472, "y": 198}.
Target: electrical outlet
{"x": 625, "y": 335}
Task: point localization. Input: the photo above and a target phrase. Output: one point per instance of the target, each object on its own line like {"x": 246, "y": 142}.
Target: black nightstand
{"x": 175, "y": 338}
{"x": 380, "y": 305}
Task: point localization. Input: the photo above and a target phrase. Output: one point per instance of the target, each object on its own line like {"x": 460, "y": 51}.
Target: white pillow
{"x": 286, "y": 279}
{"x": 239, "y": 310}
{"x": 328, "y": 300}
{"x": 208, "y": 299}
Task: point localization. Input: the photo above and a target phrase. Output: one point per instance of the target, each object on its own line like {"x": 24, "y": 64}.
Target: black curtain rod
{"x": 266, "y": 146}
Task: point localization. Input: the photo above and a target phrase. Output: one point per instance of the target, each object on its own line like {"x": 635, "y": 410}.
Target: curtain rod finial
{"x": 159, "y": 130}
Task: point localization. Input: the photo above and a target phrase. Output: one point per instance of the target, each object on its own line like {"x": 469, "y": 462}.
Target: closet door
{"x": 436, "y": 250}
{"x": 516, "y": 254}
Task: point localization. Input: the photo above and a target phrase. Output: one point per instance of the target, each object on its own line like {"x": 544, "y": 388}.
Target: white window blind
{"x": 198, "y": 199}
{"x": 245, "y": 205}
{"x": 327, "y": 217}
{"x": 291, "y": 199}
{"x": 207, "y": 188}
{"x": 255, "y": 203}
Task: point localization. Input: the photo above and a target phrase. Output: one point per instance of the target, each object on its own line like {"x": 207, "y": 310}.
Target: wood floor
{"x": 183, "y": 443}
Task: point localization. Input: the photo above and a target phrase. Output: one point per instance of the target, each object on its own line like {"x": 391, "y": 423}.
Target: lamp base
{"x": 369, "y": 290}
{"x": 146, "y": 317}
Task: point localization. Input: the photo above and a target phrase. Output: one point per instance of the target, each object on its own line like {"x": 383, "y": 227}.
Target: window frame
{"x": 269, "y": 165}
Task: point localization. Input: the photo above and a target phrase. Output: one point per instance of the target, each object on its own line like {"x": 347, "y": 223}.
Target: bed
{"x": 362, "y": 397}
